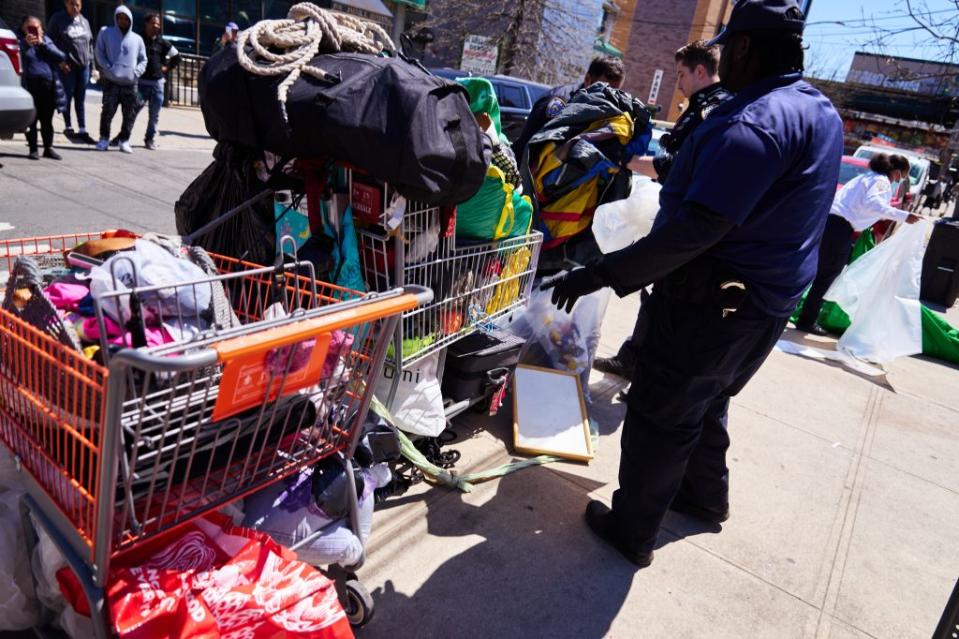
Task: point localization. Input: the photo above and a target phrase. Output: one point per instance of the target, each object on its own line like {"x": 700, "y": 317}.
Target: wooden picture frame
{"x": 554, "y": 414}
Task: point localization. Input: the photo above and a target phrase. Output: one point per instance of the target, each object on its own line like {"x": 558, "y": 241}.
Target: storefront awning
{"x": 369, "y": 6}
{"x": 606, "y": 48}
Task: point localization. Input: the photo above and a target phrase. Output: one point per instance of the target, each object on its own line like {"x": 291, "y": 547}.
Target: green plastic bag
{"x": 939, "y": 338}
{"x": 496, "y": 212}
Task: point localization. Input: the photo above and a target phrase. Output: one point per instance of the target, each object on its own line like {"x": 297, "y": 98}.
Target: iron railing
{"x": 182, "y": 86}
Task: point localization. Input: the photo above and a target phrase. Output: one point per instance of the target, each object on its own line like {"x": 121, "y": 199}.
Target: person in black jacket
{"x": 697, "y": 71}
{"x": 41, "y": 58}
{"x": 161, "y": 58}
{"x": 601, "y": 69}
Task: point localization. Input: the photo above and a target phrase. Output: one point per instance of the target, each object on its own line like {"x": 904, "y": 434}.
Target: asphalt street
{"x": 93, "y": 191}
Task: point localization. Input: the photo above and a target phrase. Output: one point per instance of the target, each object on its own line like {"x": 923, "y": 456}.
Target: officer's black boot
{"x": 600, "y": 520}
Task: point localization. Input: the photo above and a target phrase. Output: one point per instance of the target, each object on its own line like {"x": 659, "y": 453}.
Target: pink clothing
{"x": 65, "y": 296}
{"x": 89, "y": 331}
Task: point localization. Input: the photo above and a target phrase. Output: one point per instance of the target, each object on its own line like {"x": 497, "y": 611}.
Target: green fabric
{"x": 489, "y": 215}
{"x": 483, "y": 100}
{"x": 939, "y": 338}
{"x": 601, "y": 46}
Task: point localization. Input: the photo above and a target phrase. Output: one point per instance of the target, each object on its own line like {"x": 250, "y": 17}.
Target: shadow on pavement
{"x": 537, "y": 571}
{"x": 178, "y": 134}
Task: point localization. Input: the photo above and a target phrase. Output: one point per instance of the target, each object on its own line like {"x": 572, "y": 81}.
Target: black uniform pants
{"x": 124, "y": 97}
{"x": 44, "y": 94}
{"x": 690, "y": 362}
{"x": 834, "y": 254}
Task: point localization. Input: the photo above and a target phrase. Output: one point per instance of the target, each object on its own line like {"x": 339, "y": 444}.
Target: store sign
{"x": 417, "y": 4}
{"x": 479, "y": 55}
{"x": 654, "y": 88}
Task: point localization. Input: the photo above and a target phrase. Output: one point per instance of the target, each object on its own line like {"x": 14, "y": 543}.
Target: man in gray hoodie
{"x": 122, "y": 57}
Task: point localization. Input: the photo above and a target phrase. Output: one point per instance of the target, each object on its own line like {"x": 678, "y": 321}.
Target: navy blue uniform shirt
{"x": 767, "y": 161}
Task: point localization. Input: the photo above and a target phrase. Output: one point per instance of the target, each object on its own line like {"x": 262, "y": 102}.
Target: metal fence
{"x": 183, "y": 81}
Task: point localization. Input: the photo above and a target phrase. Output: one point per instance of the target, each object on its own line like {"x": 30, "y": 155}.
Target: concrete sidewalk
{"x": 845, "y": 516}
{"x": 845, "y": 493}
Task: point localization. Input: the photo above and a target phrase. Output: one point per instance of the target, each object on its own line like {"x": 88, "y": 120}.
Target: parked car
{"x": 516, "y": 98}
{"x": 16, "y": 105}
{"x": 919, "y": 168}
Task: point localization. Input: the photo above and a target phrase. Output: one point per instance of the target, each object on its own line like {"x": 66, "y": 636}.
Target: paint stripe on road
{"x": 5, "y": 226}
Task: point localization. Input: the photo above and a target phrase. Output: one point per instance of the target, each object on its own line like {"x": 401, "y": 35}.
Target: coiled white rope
{"x": 288, "y": 46}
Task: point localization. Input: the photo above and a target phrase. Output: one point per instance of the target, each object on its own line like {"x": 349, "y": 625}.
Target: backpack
{"x": 386, "y": 116}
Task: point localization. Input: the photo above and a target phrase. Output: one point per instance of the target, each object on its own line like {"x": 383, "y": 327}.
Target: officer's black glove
{"x": 569, "y": 286}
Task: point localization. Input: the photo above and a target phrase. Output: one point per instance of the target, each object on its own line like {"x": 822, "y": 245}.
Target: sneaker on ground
{"x": 103, "y": 144}
{"x": 69, "y": 132}
{"x": 33, "y": 155}
{"x": 150, "y": 145}
{"x": 84, "y": 137}
{"x": 125, "y": 147}
{"x": 51, "y": 154}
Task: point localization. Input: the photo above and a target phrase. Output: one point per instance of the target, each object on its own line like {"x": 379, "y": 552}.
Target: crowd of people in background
{"x": 61, "y": 59}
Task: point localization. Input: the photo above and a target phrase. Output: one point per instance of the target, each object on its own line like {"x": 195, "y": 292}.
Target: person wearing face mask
{"x": 122, "y": 57}
{"x": 862, "y": 201}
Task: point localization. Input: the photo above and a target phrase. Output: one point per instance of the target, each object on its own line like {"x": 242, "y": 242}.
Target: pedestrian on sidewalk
{"x": 731, "y": 251}
{"x": 862, "y": 201}
{"x": 162, "y": 56}
{"x": 227, "y": 39}
{"x": 41, "y": 58}
{"x": 697, "y": 71}
{"x": 122, "y": 57}
{"x": 71, "y": 32}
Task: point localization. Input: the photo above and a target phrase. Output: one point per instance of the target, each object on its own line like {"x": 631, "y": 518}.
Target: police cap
{"x": 762, "y": 15}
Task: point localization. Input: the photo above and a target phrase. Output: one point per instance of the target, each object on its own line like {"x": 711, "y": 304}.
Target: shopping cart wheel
{"x": 358, "y": 603}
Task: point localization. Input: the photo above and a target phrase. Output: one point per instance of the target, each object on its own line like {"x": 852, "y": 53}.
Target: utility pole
{"x": 399, "y": 22}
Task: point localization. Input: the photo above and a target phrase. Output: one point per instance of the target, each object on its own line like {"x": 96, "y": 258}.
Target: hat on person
{"x": 762, "y": 15}
{"x": 231, "y": 26}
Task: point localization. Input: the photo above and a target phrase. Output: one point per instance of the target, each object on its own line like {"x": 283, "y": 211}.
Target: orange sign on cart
{"x": 261, "y": 368}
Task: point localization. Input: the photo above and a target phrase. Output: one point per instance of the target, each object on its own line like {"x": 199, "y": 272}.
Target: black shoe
{"x": 51, "y": 154}
{"x": 599, "y": 518}
{"x": 84, "y": 138}
{"x": 33, "y": 155}
{"x": 115, "y": 141}
{"x": 813, "y": 329}
{"x": 613, "y": 366}
{"x": 683, "y": 505}
{"x": 69, "y": 132}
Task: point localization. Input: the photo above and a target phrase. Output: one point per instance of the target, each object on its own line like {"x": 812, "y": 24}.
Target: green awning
{"x": 419, "y": 4}
{"x": 601, "y": 46}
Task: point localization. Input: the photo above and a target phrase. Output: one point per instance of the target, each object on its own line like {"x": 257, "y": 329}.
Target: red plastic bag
{"x": 212, "y": 580}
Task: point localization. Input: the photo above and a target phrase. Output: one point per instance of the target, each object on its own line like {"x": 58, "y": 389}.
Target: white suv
{"x": 16, "y": 105}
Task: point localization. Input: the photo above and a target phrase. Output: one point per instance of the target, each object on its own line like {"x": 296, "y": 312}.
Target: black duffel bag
{"x": 385, "y": 116}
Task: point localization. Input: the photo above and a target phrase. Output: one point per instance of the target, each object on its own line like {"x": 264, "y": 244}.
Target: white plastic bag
{"x": 618, "y": 224}
{"x": 418, "y": 406}
{"x": 880, "y": 293}
{"x": 559, "y": 340}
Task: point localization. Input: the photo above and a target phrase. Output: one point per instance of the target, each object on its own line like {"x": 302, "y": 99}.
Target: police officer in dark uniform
{"x": 697, "y": 72}
{"x": 601, "y": 69}
{"x": 733, "y": 247}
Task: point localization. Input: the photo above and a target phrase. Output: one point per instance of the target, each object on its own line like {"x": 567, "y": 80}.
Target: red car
{"x": 850, "y": 168}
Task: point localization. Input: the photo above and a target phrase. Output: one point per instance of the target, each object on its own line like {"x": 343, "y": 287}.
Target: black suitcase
{"x": 480, "y": 362}
{"x": 940, "y": 266}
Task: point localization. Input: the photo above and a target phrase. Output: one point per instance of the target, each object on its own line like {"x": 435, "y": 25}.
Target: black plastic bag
{"x": 228, "y": 182}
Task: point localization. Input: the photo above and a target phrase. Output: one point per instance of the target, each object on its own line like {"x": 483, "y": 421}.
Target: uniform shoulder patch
{"x": 707, "y": 110}
{"x": 554, "y": 107}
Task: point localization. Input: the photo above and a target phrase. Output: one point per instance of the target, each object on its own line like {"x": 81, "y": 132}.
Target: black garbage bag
{"x": 386, "y": 116}
{"x": 228, "y": 182}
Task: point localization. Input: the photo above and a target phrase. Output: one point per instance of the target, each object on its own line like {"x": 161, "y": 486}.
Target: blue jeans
{"x": 152, "y": 92}
{"x": 75, "y": 86}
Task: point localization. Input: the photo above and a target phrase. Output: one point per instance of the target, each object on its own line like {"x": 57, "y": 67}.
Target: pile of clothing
{"x": 95, "y": 309}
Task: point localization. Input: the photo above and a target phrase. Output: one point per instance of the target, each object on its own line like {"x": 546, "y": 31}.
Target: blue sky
{"x": 831, "y": 45}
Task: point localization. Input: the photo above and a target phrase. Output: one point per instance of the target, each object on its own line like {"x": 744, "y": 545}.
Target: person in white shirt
{"x": 862, "y": 202}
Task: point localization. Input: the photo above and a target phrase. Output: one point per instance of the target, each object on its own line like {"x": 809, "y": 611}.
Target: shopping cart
{"x": 415, "y": 243}
{"x": 114, "y": 455}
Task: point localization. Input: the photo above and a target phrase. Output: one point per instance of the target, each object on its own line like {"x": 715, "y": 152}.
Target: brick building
{"x": 656, "y": 31}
